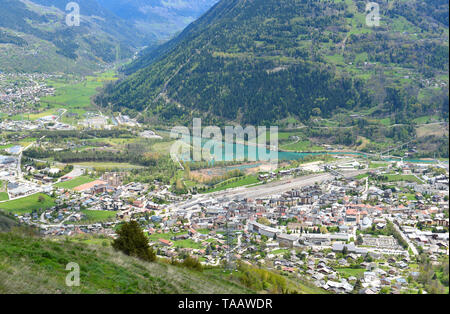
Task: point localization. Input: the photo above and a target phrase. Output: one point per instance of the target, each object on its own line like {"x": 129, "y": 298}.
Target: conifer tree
{"x": 132, "y": 241}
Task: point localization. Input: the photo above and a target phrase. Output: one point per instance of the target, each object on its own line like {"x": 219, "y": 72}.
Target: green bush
{"x": 132, "y": 241}
{"x": 192, "y": 263}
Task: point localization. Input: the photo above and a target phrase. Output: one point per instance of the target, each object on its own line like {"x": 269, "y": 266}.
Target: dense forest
{"x": 6, "y": 38}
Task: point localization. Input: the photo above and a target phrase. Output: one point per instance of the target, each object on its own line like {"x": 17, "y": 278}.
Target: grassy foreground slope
{"x": 36, "y": 265}
{"x": 6, "y": 223}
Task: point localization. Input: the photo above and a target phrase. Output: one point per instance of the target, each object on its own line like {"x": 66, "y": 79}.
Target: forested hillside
{"x": 263, "y": 61}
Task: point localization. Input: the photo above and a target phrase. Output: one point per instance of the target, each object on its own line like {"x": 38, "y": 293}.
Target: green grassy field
{"x": 426, "y": 119}
{"x": 70, "y": 184}
{"x": 75, "y": 96}
{"x": 409, "y": 196}
{"x": 241, "y": 182}
{"x": 71, "y": 93}
{"x": 166, "y": 236}
{"x": 31, "y": 264}
{"x": 3, "y": 193}
{"x": 94, "y": 216}
{"x": 279, "y": 251}
{"x": 4, "y": 196}
{"x": 92, "y": 239}
{"x": 28, "y": 204}
{"x": 267, "y": 278}
{"x": 6, "y": 146}
{"x": 109, "y": 165}
{"x": 374, "y": 165}
{"x": 399, "y": 177}
{"x": 348, "y": 272}
{"x": 188, "y": 243}
{"x": 301, "y": 146}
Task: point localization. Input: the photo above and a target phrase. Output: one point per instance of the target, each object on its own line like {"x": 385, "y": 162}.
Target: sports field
{"x": 70, "y": 184}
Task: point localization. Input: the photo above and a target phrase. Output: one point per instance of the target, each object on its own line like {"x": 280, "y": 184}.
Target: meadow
{"x": 74, "y": 95}
{"x": 4, "y": 196}
{"x": 233, "y": 183}
{"x": 70, "y": 184}
{"x": 399, "y": 177}
{"x": 109, "y": 165}
{"x": 348, "y": 272}
{"x": 96, "y": 216}
{"x": 3, "y": 193}
{"x": 28, "y": 204}
{"x": 301, "y": 146}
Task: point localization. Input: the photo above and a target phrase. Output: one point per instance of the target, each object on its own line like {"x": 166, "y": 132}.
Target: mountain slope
{"x": 261, "y": 61}
{"x": 35, "y": 37}
{"x": 32, "y": 264}
{"x": 35, "y": 265}
{"x": 6, "y": 223}
{"x": 160, "y": 18}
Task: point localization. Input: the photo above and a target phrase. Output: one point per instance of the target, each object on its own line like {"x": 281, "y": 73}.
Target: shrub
{"x": 132, "y": 241}
{"x": 192, "y": 263}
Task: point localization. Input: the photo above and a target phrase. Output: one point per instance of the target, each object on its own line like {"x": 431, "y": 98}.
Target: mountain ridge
{"x": 34, "y": 33}
{"x": 38, "y": 39}
{"x": 229, "y": 63}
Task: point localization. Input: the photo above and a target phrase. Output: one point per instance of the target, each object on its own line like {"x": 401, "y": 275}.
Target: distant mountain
{"x": 34, "y": 37}
{"x": 159, "y": 18}
{"x": 261, "y": 61}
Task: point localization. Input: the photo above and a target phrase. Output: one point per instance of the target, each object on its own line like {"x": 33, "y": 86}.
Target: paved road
{"x": 44, "y": 222}
{"x": 19, "y": 162}
{"x": 365, "y": 194}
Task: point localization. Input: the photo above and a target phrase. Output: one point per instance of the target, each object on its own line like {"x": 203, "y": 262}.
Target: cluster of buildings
{"x": 125, "y": 120}
{"x": 95, "y": 121}
{"x": 107, "y": 194}
{"x": 305, "y": 231}
{"x": 337, "y": 234}
{"x": 19, "y": 93}
{"x": 50, "y": 122}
